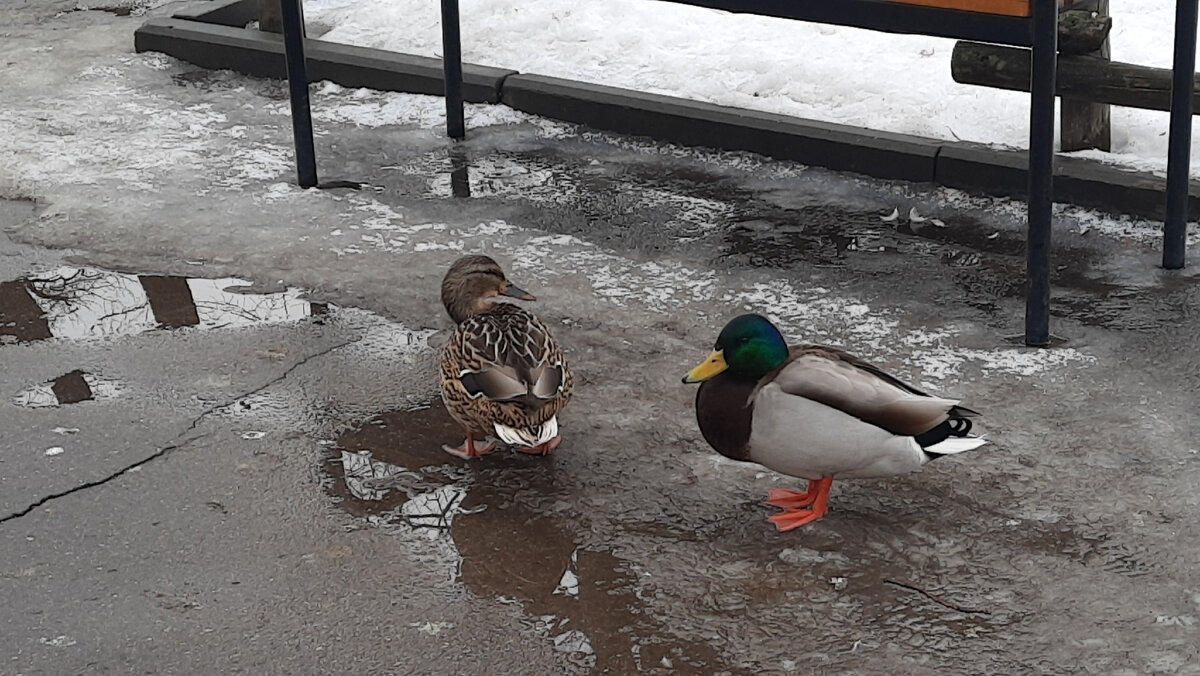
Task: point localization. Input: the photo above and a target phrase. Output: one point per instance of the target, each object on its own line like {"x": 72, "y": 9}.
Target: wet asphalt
{"x": 221, "y": 433}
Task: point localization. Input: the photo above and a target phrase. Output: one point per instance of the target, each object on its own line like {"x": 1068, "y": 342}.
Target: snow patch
{"x": 751, "y": 62}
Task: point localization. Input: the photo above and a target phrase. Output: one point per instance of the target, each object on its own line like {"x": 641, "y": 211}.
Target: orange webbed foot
{"x": 790, "y": 499}
{"x": 469, "y": 449}
{"x": 541, "y": 449}
{"x": 800, "y": 507}
{"x": 794, "y": 518}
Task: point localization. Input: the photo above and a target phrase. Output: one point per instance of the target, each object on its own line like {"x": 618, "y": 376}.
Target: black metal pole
{"x": 456, "y": 126}
{"x": 1041, "y": 171}
{"x": 302, "y": 129}
{"x": 1179, "y": 153}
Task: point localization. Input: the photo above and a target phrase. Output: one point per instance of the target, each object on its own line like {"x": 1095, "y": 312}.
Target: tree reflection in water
{"x": 89, "y": 303}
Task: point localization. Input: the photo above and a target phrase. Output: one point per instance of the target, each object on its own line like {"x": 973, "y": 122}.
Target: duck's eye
{"x": 744, "y": 340}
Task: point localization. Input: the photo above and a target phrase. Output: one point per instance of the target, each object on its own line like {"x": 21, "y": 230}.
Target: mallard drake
{"x": 503, "y": 373}
{"x": 817, "y": 413}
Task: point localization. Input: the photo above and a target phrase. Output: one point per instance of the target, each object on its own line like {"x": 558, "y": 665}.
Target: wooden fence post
{"x": 1085, "y": 125}
{"x": 270, "y": 16}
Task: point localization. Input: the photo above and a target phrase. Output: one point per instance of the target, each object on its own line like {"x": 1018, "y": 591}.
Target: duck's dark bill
{"x": 514, "y": 291}
{"x": 709, "y": 368}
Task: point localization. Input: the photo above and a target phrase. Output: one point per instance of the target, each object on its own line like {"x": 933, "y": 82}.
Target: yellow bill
{"x": 709, "y": 368}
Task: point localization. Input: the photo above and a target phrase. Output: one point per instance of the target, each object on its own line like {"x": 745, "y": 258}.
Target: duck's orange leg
{"x": 542, "y": 449}
{"x": 468, "y": 449}
{"x": 795, "y": 514}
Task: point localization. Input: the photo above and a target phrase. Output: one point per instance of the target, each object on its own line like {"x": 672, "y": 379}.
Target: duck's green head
{"x": 749, "y": 345}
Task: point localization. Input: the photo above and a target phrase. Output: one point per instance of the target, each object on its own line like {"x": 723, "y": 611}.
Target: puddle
{"x": 119, "y": 11}
{"x": 702, "y": 592}
{"x": 69, "y": 388}
{"x": 827, "y": 234}
{"x": 390, "y": 460}
{"x": 599, "y": 201}
{"x": 868, "y": 575}
{"x": 584, "y": 601}
{"x": 1076, "y": 292}
{"x": 988, "y": 265}
{"x": 823, "y": 235}
{"x": 226, "y": 81}
{"x": 81, "y": 303}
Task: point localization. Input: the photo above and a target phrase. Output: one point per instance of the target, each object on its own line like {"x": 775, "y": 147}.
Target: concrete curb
{"x": 986, "y": 170}
{"x": 261, "y": 55}
{"x": 212, "y": 36}
{"x": 838, "y": 147}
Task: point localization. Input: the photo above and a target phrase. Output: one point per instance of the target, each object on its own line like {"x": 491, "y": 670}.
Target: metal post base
{"x": 302, "y": 129}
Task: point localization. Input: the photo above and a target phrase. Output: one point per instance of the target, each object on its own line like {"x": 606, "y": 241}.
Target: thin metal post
{"x": 302, "y": 128}
{"x": 1180, "y": 148}
{"x": 1041, "y": 171}
{"x": 456, "y": 127}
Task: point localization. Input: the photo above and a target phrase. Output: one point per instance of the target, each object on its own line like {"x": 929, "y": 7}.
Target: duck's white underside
{"x": 534, "y": 436}
{"x": 807, "y": 439}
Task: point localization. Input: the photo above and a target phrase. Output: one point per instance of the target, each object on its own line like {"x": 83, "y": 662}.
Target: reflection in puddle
{"x": 460, "y": 173}
{"x": 365, "y": 477}
{"x": 396, "y": 472}
{"x": 434, "y": 509}
{"x": 72, "y": 388}
{"x": 827, "y": 234}
{"x": 585, "y": 601}
{"x": 90, "y": 303}
{"x": 428, "y": 503}
{"x": 822, "y": 235}
{"x": 69, "y": 388}
{"x": 987, "y": 264}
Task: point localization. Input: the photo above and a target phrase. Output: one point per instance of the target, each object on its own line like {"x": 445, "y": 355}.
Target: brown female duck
{"x": 503, "y": 374}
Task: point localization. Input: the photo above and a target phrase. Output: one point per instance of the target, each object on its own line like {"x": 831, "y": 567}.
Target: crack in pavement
{"x": 176, "y": 445}
{"x": 100, "y": 482}
{"x": 273, "y": 381}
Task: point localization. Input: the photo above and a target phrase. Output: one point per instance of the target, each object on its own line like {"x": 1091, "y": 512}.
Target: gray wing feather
{"x": 828, "y": 377}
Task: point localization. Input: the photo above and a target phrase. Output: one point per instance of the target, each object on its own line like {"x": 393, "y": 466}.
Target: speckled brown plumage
{"x": 501, "y": 366}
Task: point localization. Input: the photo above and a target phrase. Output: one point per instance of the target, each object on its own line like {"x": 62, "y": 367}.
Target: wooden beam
{"x": 1080, "y": 77}
{"x": 888, "y": 16}
{"x": 1005, "y": 7}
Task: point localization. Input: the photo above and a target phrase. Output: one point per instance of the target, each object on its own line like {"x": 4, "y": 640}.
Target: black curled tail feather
{"x": 954, "y": 427}
{"x": 959, "y": 427}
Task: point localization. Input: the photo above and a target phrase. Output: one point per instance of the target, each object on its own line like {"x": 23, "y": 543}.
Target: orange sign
{"x": 1007, "y": 7}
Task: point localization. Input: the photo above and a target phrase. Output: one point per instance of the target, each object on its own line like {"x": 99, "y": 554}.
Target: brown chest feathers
{"x": 724, "y": 412}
